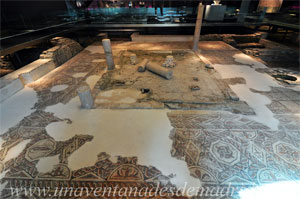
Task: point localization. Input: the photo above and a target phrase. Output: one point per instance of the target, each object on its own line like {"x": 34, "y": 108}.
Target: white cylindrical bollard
{"x": 157, "y": 69}
{"x": 108, "y": 53}
{"x": 86, "y": 98}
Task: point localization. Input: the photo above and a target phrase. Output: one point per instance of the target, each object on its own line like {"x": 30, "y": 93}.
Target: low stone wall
{"x": 9, "y": 85}
{"x": 63, "y": 50}
{"x": 15, "y": 81}
{"x": 234, "y": 39}
{"x": 36, "y": 70}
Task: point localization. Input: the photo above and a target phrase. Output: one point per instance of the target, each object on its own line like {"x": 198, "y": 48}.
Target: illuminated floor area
{"x": 49, "y": 141}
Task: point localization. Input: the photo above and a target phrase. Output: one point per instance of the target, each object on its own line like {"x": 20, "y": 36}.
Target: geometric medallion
{"x": 225, "y": 152}
{"x": 40, "y": 149}
{"x": 287, "y": 152}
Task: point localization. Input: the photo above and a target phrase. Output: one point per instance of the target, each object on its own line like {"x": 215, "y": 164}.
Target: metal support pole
{"x": 198, "y": 27}
{"x": 243, "y": 10}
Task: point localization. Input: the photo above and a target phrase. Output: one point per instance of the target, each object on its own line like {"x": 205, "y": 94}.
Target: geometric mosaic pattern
{"x": 124, "y": 173}
{"x": 41, "y": 144}
{"x": 63, "y": 76}
{"x": 284, "y": 100}
{"x": 219, "y": 148}
{"x": 22, "y": 171}
{"x": 222, "y": 148}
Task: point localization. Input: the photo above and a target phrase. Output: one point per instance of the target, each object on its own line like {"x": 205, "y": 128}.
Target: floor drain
{"x": 119, "y": 83}
{"x": 194, "y": 88}
{"x": 145, "y": 90}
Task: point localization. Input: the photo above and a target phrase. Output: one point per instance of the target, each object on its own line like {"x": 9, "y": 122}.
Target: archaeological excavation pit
{"x": 192, "y": 84}
{"x": 150, "y": 99}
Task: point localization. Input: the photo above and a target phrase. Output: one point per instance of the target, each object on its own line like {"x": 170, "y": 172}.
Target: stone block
{"x": 10, "y": 88}
{"x": 15, "y": 81}
{"x": 36, "y": 70}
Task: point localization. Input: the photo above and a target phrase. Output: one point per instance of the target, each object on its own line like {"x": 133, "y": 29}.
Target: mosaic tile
{"x": 234, "y": 149}
{"x": 219, "y": 148}
{"x": 65, "y": 75}
{"x": 284, "y": 100}
{"x": 22, "y": 171}
{"x": 277, "y": 108}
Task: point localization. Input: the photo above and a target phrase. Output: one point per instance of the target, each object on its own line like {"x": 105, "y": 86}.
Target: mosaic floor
{"x": 72, "y": 76}
{"x": 228, "y": 148}
{"x": 23, "y": 172}
{"x": 108, "y": 148}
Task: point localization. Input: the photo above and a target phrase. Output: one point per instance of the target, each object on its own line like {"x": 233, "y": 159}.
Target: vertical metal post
{"x": 198, "y": 27}
{"x": 243, "y": 10}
